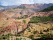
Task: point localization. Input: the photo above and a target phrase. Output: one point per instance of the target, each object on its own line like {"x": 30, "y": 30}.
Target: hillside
{"x": 38, "y": 30}
{"x": 24, "y": 9}
{"x": 3, "y": 8}
{"x": 47, "y": 9}
{"x": 2, "y": 15}
{"x": 35, "y": 7}
{"x": 25, "y": 21}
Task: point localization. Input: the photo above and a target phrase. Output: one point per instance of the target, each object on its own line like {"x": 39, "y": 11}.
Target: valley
{"x": 24, "y": 23}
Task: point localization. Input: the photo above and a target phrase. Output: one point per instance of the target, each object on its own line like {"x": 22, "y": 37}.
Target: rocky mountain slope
{"x": 11, "y": 25}
{"x": 2, "y": 8}
{"x": 24, "y": 9}
{"x": 45, "y": 12}
{"x": 35, "y": 7}
{"x": 47, "y": 9}
{"x": 42, "y": 14}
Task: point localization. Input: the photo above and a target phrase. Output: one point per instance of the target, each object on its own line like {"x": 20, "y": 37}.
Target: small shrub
{"x": 35, "y": 32}
{"x": 51, "y": 28}
{"x": 31, "y": 36}
{"x": 24, "y": 21}
{"x": 18, "y": 34}
{"x": 45, "y": 23}
{"x": 20, "y": 38}
{"x": 48, "y": 29}
{"x": 17, "y": 39}
{"x": 44, "y": 30}
{"x": 38, "y": 36}
{"x": 29, "y": 30}
{"x": 4, "y": 37}
{"x": 7, "y": 18}
{"x": 41, "y": 32}
{"x": 24, "y": 39}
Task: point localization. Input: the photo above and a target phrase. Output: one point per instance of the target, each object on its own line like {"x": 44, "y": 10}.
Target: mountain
{"x": 45, "y": 12}
{"x": 2, "y": 15}
{"x": 24, "y": 9}
{"x": 35, "y": 7}
{"x": 1, "y": 8}
{"x": 34, "y": 22}
{"x": 6, "y": 7}
{"x": 47, "y": 9}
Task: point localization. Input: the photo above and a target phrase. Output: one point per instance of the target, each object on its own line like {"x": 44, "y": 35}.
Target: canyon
{"x": 17, "y": 20}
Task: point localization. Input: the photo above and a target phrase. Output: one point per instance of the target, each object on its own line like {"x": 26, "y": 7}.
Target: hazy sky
{"x": 18, "y": 2}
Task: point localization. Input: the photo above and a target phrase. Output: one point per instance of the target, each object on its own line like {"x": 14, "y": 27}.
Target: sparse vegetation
{"x": 43, "y": 37}
{"x": 23, "y": 17}
{"x": 5, "y": 36}
{"x": 40, "y": 19}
